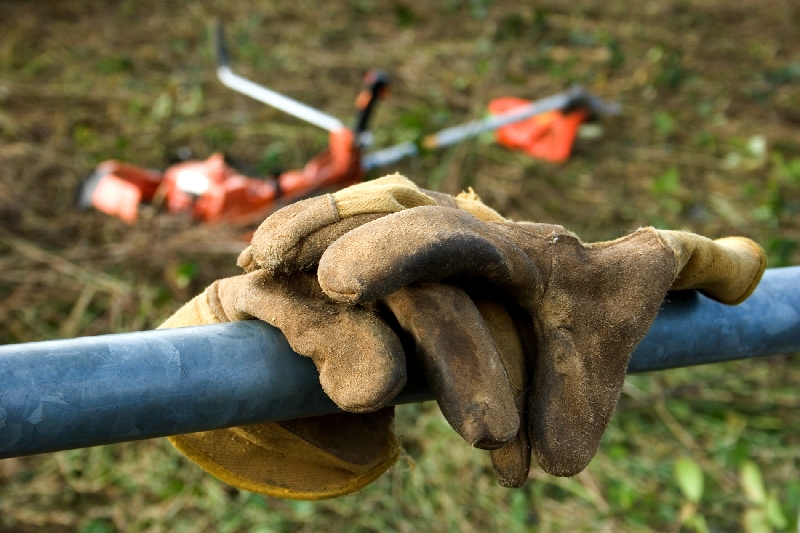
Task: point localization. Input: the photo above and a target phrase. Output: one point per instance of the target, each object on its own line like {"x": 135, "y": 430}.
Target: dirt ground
{"x": 708, "y": 140}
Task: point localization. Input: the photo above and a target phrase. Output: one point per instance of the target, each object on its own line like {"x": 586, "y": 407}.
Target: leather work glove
{"x": 469, "y": 351}
{"x": 479, "y": 357}
{"x": 331, "y": 455}
{"x": 307, "y": 459}
{"x": 578, "y": 309}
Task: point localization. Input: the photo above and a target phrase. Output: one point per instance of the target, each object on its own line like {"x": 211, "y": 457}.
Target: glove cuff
{"x": 277, "y": 460}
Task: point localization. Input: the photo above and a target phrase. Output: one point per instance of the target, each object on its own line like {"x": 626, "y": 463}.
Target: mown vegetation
{"x": 707, "y": 141}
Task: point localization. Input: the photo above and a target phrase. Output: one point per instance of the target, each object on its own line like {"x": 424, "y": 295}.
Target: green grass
{"x": 707, "y": 142}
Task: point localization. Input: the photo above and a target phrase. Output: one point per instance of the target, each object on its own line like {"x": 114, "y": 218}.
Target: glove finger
{"x": 279, "y": 244}
{"x": 458, "y": 356}
{"x": 427, "y": 244}
{"x": 359, "y": 358}
{"x": 507, "y": 335}
{"x": 512, "y": 462}
{"x": 394, "y": 197}
{"x": 727, "y": 270}
{"x": 277, "y": 240}
{"x": 306, "y": 253}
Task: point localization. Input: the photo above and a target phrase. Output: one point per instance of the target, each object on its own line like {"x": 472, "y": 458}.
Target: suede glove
{"x": 469, "y": 350}
{"x": 578, "y": 309}
{"x": 361, "y": 361}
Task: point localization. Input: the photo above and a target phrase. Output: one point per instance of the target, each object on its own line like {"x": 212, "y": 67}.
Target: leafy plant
{"x": 689, "y": 476}
{"x": 763, "y": 511}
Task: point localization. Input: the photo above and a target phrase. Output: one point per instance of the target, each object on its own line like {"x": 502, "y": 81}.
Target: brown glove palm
{"x": 586, "y": 306}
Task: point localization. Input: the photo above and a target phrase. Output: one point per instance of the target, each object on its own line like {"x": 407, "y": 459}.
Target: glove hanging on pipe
{"x": 586, "y": 305}
{"x": 483, "y": 400}
{"x": 309, "y": 458}
{"x": 360, "y": 359}
{"x": 626, "y": 278}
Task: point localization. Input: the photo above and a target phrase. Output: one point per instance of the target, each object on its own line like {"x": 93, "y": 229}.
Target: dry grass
{"x": 707, "y": 141}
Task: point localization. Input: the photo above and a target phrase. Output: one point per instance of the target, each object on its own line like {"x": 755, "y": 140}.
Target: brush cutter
{"x": 214, "y": 191}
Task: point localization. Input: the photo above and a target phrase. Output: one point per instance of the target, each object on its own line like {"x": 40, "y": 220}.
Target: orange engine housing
{"x": 548, "y": 136}
{"x": 212, "y": 191}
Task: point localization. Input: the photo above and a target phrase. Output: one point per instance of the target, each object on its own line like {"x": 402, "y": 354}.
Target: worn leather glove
{"x": 360, "y": 360}
{"x": 311, "y": 458}
{"x": 454, "y": 340}
{"x": 317, "y": 457}
{"x": 475, "y": 355}
{"x": 581, "y": 308}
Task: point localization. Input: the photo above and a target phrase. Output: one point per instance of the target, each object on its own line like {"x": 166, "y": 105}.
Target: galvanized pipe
{"x": 65, "y": 394}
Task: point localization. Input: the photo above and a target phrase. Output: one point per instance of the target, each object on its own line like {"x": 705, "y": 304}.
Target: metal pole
{"x": 65, "y": 394}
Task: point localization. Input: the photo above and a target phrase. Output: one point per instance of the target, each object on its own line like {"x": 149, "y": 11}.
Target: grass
{"x": 707, "y": 142}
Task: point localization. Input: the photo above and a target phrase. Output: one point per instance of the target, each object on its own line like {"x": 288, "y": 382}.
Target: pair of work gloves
{"x": 524, "y": 332}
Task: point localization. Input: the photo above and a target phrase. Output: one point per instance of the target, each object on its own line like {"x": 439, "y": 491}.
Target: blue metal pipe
{"x": 66, "y": 394}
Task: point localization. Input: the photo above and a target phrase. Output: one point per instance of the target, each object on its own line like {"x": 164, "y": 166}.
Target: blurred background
{"x": 707, "y": 141}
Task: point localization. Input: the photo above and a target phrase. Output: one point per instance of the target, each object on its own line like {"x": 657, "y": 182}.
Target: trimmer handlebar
{"x": 265, "y": 95}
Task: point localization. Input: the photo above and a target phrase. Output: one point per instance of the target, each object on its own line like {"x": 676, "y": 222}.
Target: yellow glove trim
{"x": 470, "y": 202}
{"x": 388, "y": 194}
